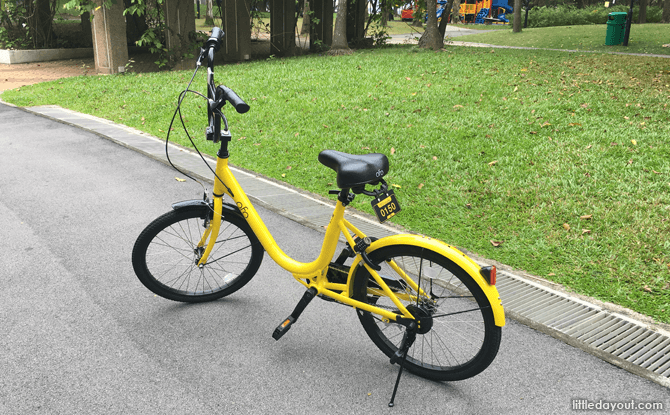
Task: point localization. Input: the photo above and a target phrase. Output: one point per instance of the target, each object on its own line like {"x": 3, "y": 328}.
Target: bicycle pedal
{"x": 283, "y": 328}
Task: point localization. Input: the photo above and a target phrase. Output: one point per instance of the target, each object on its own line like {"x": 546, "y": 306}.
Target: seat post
{"x": 345, "y": 197}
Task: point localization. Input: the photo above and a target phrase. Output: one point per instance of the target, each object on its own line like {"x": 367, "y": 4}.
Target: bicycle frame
{"x": 314, "y": 274}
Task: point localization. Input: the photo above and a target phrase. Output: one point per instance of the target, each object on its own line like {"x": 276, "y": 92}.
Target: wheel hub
{"x": 424, "y": 319}
{"x": 198, "y": 253}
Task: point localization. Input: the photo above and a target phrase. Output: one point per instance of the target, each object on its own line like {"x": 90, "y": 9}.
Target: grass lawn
{"x": 555, "y": 163}
{"x": 645, "y": 38}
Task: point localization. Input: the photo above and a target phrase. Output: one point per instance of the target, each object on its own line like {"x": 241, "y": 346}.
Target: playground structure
{"x": 470, "y": 11}
{"x": 485, "y": 11}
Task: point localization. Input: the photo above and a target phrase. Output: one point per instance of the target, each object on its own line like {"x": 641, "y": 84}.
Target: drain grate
{"x": 625, "y": 343}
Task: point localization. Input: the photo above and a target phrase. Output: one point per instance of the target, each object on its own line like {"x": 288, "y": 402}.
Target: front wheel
{"x": 457, "y": 338}
{"x": 166, "y": 255}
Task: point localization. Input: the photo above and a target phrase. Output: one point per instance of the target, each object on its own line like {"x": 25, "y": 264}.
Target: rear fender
{"x": 458, "y": 257}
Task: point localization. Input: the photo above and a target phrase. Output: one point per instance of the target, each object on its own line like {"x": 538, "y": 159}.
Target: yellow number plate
{"x": 385, "y": 206}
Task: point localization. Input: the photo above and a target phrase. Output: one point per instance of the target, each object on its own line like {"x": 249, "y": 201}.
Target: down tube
{"x": 265, "y": 237}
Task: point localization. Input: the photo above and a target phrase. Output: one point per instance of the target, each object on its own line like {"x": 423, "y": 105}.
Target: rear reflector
{"x": 489, "y": 273}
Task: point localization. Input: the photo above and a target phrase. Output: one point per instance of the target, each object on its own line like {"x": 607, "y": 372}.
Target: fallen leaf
{"x": 586, "y": 231}
{"x": 392, "y": 150}
{"x": 630, "y": 161}
{"x": 533, "y": 132}
{"x": 420, "y": 185}
{"x": 435, "y": 159}
{"x": 586, "y": 217}
{"x": 575, "y": 124}
{"x": 179, "y": 180}
{"x": 496, "y": 243}
{"x": 297, "y": 134}
{"x": 551, "y": 274}
{"x": 409, "y": 79}
{"x": 493, "y": 162}
{"x": 458, "y": 106}
{"x": 397, "y": 186}
{"x": 288, "y": 167}
{"x": 589, "y": 146}
{"x": 566, "y": 226}
{"x": 646, "y": 288}
{"x": 634, "y": 142}
{"x": 516, "y": 88}
{"x": 283, "y": 175}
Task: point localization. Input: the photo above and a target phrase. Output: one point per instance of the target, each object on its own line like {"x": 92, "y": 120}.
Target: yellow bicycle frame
{"x": 313, "y": 274}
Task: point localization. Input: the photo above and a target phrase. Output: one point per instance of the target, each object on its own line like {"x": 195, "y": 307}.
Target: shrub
{"x": 571, "y": 16}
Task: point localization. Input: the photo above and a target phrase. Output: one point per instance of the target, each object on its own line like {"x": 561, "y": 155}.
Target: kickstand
{"x": 401, "y": 354}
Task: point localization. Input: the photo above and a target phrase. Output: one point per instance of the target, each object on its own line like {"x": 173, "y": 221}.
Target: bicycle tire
{"x": 457, "y": 346}
{"x": 165, "y": 256}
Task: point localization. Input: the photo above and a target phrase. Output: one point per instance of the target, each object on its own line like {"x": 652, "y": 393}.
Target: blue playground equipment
{"x": 441, "y": 5}
{"x": 506, "y": 8}
{"x": 483, "y": 13}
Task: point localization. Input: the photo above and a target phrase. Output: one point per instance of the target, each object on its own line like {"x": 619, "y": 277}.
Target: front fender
{"x": 227, "y": 208}
{"x": 456, "y": 256}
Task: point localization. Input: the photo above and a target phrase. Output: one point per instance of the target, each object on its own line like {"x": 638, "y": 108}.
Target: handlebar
{"x": 225, "y": 93}
{"x": 218, "y": 96}
{"x": 215, "y": 39}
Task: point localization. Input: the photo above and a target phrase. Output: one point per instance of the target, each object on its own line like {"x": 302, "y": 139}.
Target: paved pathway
{"x": 81, "y": 335}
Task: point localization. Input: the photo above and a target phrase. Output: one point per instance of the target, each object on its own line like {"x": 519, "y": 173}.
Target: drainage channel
{"x": 615, "y": 338}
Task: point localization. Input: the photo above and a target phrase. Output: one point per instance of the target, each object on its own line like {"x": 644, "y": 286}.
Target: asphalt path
{"x": 81, "y": 335}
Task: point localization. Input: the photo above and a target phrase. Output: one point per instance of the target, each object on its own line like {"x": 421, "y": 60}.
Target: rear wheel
{"x": 457, "y": 338}
{"x": 166, "y": 255}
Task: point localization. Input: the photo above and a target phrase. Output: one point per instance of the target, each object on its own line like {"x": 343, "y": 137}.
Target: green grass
{"x": 646, "y": 38}
{"x": 561, "y": 160}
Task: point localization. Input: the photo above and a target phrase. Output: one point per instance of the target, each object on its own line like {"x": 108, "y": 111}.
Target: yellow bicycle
{"x": 424, "y": 304}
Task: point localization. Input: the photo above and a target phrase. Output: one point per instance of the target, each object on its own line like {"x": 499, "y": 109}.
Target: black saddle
{"x": 355, "y": 170}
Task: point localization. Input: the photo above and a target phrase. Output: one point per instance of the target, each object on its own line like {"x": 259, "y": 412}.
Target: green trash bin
{"x": 616, "y": 26}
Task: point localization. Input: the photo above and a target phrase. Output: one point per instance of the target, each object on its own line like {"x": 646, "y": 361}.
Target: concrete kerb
{"x": 43, "y": 55}
{"x": 513, "y": 285}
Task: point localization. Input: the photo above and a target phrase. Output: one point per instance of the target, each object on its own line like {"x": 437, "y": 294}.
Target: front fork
{"x": 211, "y": 232}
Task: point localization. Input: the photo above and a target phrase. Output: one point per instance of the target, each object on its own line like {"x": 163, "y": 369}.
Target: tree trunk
{"x": 40, "y": 23}
{"x": 209, "y": 14}
{"x": 340, "y": 45}
{"x": 305, "y": 19}
{"x": 516, "y": 28}
{"x": 666, "y": 11}
{"x": 446, "y": 14}
{"x": 456, "y": 11}
{"x": 642, "y": 18}
{"x": 431, "y": 37}
{"x": 418, "y": 17}
{"x": 385, "y": 13}
{"x": 86, "y": 33}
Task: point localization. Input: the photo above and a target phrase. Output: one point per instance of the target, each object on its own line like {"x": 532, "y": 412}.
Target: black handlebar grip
{"x": 234, "y": 99}
{"x": 215, "y": 39}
